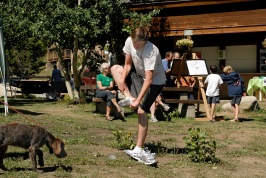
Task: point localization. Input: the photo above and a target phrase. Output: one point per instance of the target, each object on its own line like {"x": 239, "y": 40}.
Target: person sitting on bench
{"x": 188, "y": 81}
{"x": 104, "y": 89}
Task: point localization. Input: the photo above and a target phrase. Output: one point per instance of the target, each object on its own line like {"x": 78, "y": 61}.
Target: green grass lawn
{"x": 90, "y": 140}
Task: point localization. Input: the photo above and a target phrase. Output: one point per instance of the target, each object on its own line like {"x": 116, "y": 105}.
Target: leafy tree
{"x": 76, "y": 25}
{"x": 24, "y": 52}
{"x": 135, "y": 19}
{"x": 27, "y": 61}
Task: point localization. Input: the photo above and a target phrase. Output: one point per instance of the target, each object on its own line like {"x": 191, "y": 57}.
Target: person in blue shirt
{"x": 166, "y": 65}
{"x": 236, "y": 88}
{"x": 56, "y": 80}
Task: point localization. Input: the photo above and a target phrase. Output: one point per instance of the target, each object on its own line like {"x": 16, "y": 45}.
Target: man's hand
{"x": 123, "y": 87}
{"x": 120, "y": 85}
{"x": 135, "y": 104}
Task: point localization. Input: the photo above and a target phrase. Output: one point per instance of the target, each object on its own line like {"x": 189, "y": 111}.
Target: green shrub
{"x": 174, "y": 114}
{"x": 123, "y": 139}
{"x": 67, "y": 99}
{"x": 201, "y": 146}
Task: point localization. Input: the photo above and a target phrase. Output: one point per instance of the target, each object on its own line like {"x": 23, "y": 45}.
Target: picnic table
{"x": 258, "y": 87}
{"x": 34, "y": 84}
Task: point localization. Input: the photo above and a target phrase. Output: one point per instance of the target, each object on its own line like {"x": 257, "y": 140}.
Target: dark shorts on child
{"x": 235, "y": 100}
{"x": 213, "y": 99}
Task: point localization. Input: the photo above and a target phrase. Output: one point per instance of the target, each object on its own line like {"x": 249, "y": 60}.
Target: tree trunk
{"x": 69, "y": 89}
{"x": 75, "y": 68}
{"x": 65, "y": 72}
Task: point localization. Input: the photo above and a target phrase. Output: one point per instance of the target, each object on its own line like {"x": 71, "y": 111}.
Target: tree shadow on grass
{"x": 246, "y": 119}
{"x": 25, "y": 156}
{"x": 21, "y": 102}
{"x": 156, "y": 147}
{"x": 45, "y": 169}
{"x": 54, "y": 168}
{"x": 242, "y": 120}
{"x": 14, "y": 155}
{"x": 20, "y": 111}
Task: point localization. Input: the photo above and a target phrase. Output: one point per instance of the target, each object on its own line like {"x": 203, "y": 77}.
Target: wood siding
{"x": 213, "y": 23}
{"x": 173, "y": 4}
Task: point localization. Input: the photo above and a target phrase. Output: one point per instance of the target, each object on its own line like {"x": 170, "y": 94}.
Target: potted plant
{"x": 264, "y": 43}
{"x": 184, "y": 44}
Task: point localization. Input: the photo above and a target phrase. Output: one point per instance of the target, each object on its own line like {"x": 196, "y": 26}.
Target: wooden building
{"x": 228, "y": 32}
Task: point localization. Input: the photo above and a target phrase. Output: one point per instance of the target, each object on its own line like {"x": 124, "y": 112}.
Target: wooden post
{"x": 206, "y": 106}
{"x": 199, "y": 96}
{"x": 183, "y": 61}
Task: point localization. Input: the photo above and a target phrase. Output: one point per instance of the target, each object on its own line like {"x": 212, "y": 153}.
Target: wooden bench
{"x": 101, "y": 104}
{"x": 179, "y": 97}
{"x": 183, "y": 101}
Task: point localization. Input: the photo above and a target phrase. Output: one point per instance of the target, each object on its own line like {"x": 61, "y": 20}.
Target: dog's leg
{"x": 2, "y": 156}
{"x": 40, "y": 155}
{"x": 32, "y": 154}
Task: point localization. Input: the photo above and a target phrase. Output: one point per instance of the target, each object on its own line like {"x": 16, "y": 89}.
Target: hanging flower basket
{"x": 264, "y": 43}
{"x": 184, "y": 44}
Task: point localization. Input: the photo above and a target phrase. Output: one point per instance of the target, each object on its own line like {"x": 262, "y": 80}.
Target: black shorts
{"x": 150, "y": 97}
{"x": 135, "y": 83}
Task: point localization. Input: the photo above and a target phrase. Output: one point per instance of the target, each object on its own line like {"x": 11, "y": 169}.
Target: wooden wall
{"x": 213, "y": 23}
{"x": 205, "y": 17}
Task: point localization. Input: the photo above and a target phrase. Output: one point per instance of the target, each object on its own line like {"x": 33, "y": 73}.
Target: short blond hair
{"x": 228, "y": 69}
{"x": 103, "y": 66}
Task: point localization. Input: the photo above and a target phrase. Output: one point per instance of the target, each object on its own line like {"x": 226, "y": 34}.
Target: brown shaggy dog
{"x": 31, "y": 137}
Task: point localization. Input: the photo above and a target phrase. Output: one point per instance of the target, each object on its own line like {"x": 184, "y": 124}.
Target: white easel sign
{"x": 197, "y": 67}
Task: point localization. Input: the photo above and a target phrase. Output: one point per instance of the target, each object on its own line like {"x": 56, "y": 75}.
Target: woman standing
{"x": 105, "y": 85}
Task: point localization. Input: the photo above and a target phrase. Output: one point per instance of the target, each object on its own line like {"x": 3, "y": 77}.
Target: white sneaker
{"x": 148, "y": 157}
{"x": 153, "y": 119}
{"x": 125, "y": 102}
{"x": 133, "y": 154}
{"x": 166, "y": 107}
{"x": 145, "y": 156}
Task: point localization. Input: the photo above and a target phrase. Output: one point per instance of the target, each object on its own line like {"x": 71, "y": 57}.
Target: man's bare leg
{"x": 116, "y": 71}
{"x": 142, "y": 127}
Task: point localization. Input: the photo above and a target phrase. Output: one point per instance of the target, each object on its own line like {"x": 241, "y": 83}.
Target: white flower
{"x": 264, "y": 43}
{"x": 184, "y": 42}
